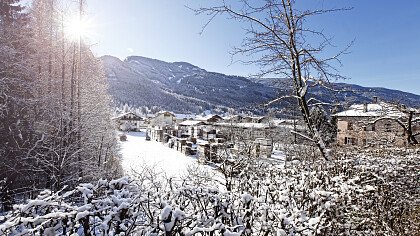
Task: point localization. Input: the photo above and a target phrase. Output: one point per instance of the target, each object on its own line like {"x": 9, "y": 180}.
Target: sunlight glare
{"x": 75, "y": 28}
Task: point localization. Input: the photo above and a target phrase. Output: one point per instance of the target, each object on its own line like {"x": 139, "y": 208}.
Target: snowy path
{"x": 137, "y": 153}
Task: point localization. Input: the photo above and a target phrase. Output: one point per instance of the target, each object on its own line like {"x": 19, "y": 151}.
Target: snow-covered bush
{"x": 352, "y": 196}
{"x": 106, "y": 208}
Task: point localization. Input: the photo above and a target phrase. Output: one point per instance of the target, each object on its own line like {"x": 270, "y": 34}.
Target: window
{"x": 349, "y": 125}
{"x": 350, "y": 141}
{"x": 388, "y": 127}
{"x": 364, "y": 142}
{"x": 369, "y": 127}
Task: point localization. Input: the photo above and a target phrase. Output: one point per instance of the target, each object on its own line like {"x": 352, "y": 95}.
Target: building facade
{"x": 372, "y": 125}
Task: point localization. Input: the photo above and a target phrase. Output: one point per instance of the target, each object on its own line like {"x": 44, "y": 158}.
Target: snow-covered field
{"x": 138, "y": 153}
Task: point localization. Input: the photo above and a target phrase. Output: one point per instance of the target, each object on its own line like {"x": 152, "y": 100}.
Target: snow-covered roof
{"x": 246, "y": 125}
{"x": 164, "y": 112}
{"x": 124, "y": 114}
{"x": 185, "y": 116}
{"x": 207, "y": 117}
{"x": 278, "y": 122}
{"x": 231, "y": 117}
{"x": 254, "y": 117}
{"x": 370, "y": 110}
{"x": 191, "y": 122}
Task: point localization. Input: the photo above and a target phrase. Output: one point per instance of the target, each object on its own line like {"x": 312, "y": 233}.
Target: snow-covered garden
{"x": 358, "y": 195}
{"x": 138, "y": 153}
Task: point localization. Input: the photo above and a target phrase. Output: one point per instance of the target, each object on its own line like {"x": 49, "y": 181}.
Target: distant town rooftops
{"x": 192, "y": 123}
{"x": 246, "y": 125}
{"x": 184, "y": 116}
{"x": 165, "y": 113}
{"x": 207, "y": 117}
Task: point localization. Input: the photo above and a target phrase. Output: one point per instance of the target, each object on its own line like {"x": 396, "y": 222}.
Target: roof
{"x": 165, "y": 112}
{"x": 192, "y": 122}
{"x": 246, "y": 125}
{"x": 232, "y": 117}
{"x": 254, "y": 117}
{"x": 370, "y": 110}
{"x": 126, "y": 113}
{"x": 207, "y": 117}
{"x": 185, "y": 116}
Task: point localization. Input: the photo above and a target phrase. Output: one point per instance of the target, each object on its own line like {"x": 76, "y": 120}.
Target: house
{"x": 232, "y": 119}
{"x": 209, "y": 118}
{"x": 129, "y": 122}
{"x": 163, "y": 118}
{"x": 191, "y": 128}
{"x": 255, "y": 119}
{"x": 262, "y": 147}
{"x": 155, "y": 133}
{"x": 183, "y": 117}
{"x": 364, "y": 125}
{"x": 245, "y": 131}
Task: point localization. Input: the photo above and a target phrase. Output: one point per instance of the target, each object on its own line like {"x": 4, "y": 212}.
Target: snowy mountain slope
{"x": 179, "y": 86}
{"x": 183, "y": 87}
{"x": 349, "y": 93}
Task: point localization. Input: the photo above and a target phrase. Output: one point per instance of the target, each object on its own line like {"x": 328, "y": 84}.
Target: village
{"x": 212, "y": 137}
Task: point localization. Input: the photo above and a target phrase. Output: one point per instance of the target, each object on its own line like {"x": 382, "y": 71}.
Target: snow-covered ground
{"x": 138, "y": 153}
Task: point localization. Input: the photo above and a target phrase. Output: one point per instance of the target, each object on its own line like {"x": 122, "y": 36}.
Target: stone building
{"x": 364, "y": 125}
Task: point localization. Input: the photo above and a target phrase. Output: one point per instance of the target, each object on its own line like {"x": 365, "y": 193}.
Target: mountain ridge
{"x": 184, "y": 87}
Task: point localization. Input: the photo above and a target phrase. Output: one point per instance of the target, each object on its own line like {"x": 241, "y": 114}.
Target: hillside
{"x": 183, "y": 87}
{"x": 349, "y": 93}
{"x": 179, "y": 86}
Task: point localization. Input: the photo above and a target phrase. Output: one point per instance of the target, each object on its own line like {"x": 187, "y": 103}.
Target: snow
{"x": 371, "y": 110}
{"x": 184, "y": 116}
{"x": 246, "y": 125}
{"x": 191, "y": 122}
{"x": 138, "y": 153}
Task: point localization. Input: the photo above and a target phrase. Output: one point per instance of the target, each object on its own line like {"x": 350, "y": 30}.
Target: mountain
{"x": 183, "y": 87}
{"x": 348, "y": 93}
{"x": 179, "y": 86}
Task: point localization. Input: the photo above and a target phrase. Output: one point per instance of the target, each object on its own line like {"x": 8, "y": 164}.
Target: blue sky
{"x": 386, "y": 51}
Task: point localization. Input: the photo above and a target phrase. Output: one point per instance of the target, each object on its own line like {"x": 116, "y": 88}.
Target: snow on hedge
{"x": 353, "y": 196}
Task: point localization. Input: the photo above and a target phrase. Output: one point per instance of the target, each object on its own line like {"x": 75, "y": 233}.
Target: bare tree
{"x": 277, "y": 36}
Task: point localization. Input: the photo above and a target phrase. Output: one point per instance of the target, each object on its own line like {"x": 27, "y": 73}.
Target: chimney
{"x": 375, "y": 99}
{"x": 365, "y": 107}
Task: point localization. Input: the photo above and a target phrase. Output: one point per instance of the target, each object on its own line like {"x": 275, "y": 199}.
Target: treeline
{"x": 55, "y": 127}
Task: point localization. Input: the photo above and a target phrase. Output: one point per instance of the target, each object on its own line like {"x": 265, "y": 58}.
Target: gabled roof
{"x": 231, "y": 117}
{"x": 370, "y": 110}
{"x": 164, "y": 113}
{"x": 125, "y": 114}
{"x": 207, "y": 117}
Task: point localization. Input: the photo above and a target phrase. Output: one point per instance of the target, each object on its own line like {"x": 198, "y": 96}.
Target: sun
{"x": 76, "y": 28}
